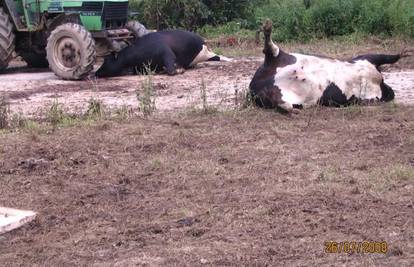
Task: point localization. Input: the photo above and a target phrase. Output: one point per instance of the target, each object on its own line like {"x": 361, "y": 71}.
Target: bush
{"x": 230, "y": 28}
{"x": 305, "y": 19}
{"x": 163, "y": 14}
{"x": 401, "y": 17}
{"x": 293, "y": 19}
{"x": 332, "y": 17}
{"x": 374, "y": 18}
{"x": 223, "y": 11}
{"x": 193, "y": 14}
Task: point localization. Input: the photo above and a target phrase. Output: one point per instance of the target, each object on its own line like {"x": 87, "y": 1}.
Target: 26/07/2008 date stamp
{"x": 366, "y": 247}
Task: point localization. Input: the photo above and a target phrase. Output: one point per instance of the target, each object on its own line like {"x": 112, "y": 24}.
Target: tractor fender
{"x": 62, "y": 19}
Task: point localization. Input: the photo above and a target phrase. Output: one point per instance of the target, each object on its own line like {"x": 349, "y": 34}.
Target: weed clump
{"x": 4, "y": 113}
{"x": 95, "y": 108}
{"x": 146, "y": 98}
{"x": 55, "y": 115}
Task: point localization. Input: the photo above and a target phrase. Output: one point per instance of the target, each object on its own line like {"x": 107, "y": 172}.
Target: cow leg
{"x": 387, "y": 92}
{"x": 378, "y": 59}
{"x": 204, "y": 55}
{"x": 220, "y": 58}
{"x": 333, "y": 97}
{"x": 272, "y": 98}
{"x": 170, "y": 60}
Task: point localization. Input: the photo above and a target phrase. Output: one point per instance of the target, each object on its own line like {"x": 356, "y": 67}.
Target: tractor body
{"x": 64, "y": 35}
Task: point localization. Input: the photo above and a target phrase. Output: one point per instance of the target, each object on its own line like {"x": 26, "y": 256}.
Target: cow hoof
{"x": 180, "y": 71}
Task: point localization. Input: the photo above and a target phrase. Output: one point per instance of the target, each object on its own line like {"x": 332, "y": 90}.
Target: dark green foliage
{"x": 223, "y": 11}
{"x": 305, "y": 19}
{"x": 293, "y": 19}
{"x": 162, "y": 14}
{"x": 331, "y": 17}
{"x": 192, "y": 14}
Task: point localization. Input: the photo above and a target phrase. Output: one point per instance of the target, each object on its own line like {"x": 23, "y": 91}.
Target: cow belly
{"x": 298, "y": 92}
{"x": 305, "y": 82}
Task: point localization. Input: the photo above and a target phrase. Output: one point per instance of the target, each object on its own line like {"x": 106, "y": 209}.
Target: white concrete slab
{"x": 11, "y": 219}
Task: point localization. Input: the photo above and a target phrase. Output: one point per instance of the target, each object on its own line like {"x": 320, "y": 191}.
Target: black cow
{"x": 287, "y": 81}
{"x": 165, "y": 50}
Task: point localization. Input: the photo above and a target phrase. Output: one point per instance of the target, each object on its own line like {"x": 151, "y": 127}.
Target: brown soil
{"x": 228, "y": 188}
{"x": 235, "y": 188}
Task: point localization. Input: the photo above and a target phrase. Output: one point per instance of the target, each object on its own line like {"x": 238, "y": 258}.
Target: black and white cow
{"x": 288, "y": 81}
{"x": 161, "y": 51}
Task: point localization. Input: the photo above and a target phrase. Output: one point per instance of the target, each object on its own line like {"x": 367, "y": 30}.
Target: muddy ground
{"x": 230, "y": 187}
{"x": 31, "y": 93}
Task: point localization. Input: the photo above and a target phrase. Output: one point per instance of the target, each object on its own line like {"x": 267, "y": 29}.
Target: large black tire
{"x": 71, "y": 51}
{"x": 137, "y": 29}
{"x": 35, "y": 60}
{"x": 6, "y": 40}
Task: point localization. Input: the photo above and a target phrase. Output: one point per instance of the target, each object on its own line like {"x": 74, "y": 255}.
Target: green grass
{"x": 232, "y": 28}
{"x": 327, "y": 18}
{"x": 146, "y": 95}
{"x": 299, "y": 20}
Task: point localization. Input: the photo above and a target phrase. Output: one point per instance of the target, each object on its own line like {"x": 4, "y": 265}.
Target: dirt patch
{"x": 235, "y": 188}
{"x": 33, "y": 93}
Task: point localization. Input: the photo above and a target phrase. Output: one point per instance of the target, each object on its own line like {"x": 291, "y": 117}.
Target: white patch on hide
{"x": 225, "y": 59}
{"x": 304, "y": 82}
{"x": 204, "y": 55}
{"x": 275, "y": 49}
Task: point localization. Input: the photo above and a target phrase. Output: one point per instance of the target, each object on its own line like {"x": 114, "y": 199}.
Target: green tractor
{"x": 67, "y": 36}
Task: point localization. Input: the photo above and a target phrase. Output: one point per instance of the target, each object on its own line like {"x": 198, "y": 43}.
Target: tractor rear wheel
{"x": 71, "y": 51}
{"x": 6, "y": 40}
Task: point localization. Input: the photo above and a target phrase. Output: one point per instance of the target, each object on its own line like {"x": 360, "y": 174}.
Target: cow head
{"x": 271, "y": 50}
{"x": 110, "y": 67}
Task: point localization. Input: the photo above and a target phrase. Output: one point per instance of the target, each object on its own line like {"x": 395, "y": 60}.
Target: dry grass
{"x": 240, "y": 188}
{"x": 4, "y": 113}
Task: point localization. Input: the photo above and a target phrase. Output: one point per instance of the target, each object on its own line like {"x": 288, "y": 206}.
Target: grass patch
{"x": 146, "y": 96}
{"x": 55, "y": 115}
{"x": 230, "y": 29}
{"x": 123, "y": 113}
{"x": 383, "y": 180}
{"x": 401, "y": 173}
{"x": 95, "y": 109}
{"x": 4, "y": 113}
